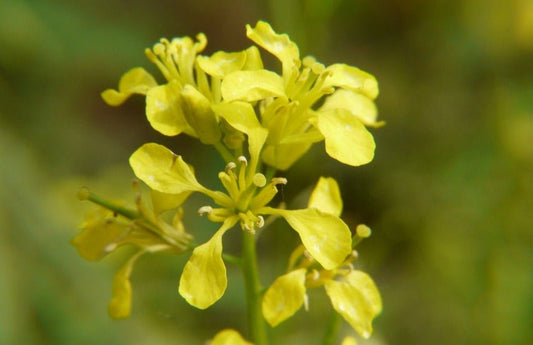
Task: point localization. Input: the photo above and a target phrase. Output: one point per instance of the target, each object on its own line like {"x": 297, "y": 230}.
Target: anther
{"x": 242, "y": 160}
{"x": 279, "y": 180}
{"x": 260, "y": 222}
{"x": 315, "y": 274}
{"x": 306, "y": 302}
{"x": 229, "y": 167}
{"x": 110, "y": 247}
{"x": 205, "y": 209}
{"x": 249, "y": 229}
{"x": 308, "y": 256}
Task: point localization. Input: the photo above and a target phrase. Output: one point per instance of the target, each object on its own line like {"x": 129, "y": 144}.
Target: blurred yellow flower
{"x": 228, "y": 337}
{"x": 111, "y": 226}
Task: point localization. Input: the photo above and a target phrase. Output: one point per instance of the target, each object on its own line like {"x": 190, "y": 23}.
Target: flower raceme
{"x": 259, "y": 121}
{"x": 203, "y": 280}
{"x": 220, "y": 98}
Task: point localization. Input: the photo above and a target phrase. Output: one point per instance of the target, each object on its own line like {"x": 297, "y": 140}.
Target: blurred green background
{"x": 449, "y": 195}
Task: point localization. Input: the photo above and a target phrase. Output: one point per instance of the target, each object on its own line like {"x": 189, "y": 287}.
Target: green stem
{"x": 85, "y": 194}
{"x": 334, "y": 324}
{"x": 256, "y": 324}
{"x": 224, "y": 152}
{"x": 269, "y": 174}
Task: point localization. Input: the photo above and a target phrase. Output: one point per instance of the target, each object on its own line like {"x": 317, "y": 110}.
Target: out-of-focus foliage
{"x": 448, "y": 195}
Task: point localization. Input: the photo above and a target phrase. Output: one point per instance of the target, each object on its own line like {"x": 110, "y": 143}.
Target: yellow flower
{"x": 228, "y": 337}
{"x": 112, "y": 226}
{"x": 183, "y": 103}
{"x": 352, "y": 293}
{"x": 288, "y": 103}
{"x": 203, "y": 280}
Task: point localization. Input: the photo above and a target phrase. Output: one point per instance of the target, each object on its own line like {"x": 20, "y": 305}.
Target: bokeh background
{"x": 449, "y": 195}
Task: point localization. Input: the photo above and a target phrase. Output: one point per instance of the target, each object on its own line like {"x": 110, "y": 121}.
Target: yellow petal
{"x": 163, "y": 109}
{"x": 253, "y": 59}
{"x": 241, "y": 116}
{"x": 347, "y": 140}
{"x": 162, "y": 202}
{"x": 203, "y": 280}
{"x": 283, "y": 156}
{"x": 326, "y": 197}
{"x": 326, "y": 237}
{"x": 99, "y": 234}
{"x": 120, "y": 304}
{"x": 229, "y": 337}
{"x": 221, "y": 63}
{"x": 162, "y": 170}
{"x": 349, "y": 341}
{"x": 284, "y": 297}
{"x": 251, "y": 86}
{"x": 356, "y": 299}
{"x": 199, "y": 115}
{"x": 352, "y": 78}
{"x": 136, "y": 80}
{"x": 357, "y": 104}
{"x": 279, "y": 45}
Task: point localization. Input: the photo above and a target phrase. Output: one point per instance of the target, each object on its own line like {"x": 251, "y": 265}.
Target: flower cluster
{"x": 260, "y": 122}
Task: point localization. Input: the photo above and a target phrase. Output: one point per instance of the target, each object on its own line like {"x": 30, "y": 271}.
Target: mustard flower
{"x": 183, "y": 103}
{"x": 232, "y": 337}
{"x": 111, "y": 226}
{"x": 203, "y": 280}
{"x": 228, "y": 337}
{"x": 288, "y": 103}
{"x": 352, "y": 293}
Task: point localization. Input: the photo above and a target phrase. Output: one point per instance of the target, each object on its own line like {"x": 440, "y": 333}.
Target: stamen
{"x": 249, "y": 229}
{"x": 110, "y": 247}
{"x": 260, "y": 222}
{"x": 242, "y": 160}
{"x": 306, "y": 302}
{"x": 259, "y": 180}
{"x": 363, "y": 231}
{"x": 308, "y": 256}
{"x": 205, "y": 209}
{"x": 315, "y": 274}
{"x": 229, "y": 167}
{"x": 279, "y": 180}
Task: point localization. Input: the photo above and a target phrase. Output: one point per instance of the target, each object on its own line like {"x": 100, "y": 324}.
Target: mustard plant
{"x": 261, "y": 122}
